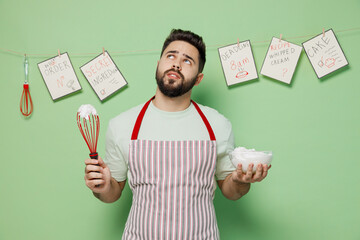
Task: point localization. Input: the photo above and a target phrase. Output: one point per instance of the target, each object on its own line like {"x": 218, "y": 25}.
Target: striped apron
{"x": 173, "y": 187}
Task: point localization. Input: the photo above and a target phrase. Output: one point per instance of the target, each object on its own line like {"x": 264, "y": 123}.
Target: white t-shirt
{"x": 167, "y": 126}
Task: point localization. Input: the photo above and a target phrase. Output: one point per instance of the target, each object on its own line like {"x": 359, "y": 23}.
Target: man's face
{"x": 178, "y": 69}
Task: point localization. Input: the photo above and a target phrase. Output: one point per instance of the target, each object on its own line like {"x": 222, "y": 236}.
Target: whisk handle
{"x": 94, "y": 155}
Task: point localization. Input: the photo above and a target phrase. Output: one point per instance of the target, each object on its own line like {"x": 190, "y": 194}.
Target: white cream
{"x": 247, "y": 156}
{"x": 85, "y": 111}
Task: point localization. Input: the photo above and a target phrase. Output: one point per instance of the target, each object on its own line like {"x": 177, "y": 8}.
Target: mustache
{"x": 173, "y": 70}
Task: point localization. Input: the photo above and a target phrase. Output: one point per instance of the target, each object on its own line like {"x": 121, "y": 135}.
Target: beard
{"x": 171, "y": 89}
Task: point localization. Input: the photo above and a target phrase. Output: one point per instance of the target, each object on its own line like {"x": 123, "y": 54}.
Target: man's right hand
{"x": 97, "y": 175}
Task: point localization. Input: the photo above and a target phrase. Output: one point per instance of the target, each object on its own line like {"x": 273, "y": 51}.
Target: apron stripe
{"x": 140, "y": 190}
{"x": 169, "y": 193}
{"x": 183, "y": 162}
{"x": 157, "y": 192}
{"x": 178, "y": 194}
{"x": 163, "y": 191}
{"x": 137, "y": 197}
{"x": 176, "y": 188}
{"x": 152, "y": 196}
{"x": 133, "y": 208}
{"x": 202, "y": 152}
{"x": 194, "y": 189}
{"x": 146, "y": 199}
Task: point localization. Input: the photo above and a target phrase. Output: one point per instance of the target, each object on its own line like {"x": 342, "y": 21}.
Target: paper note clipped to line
{"x": 103, "y": 75}
{"x": 59, "y": 76}
{"x": 325, "y": 54}
{"x": 238, "y": 63}
{"x": 281, "y": 60}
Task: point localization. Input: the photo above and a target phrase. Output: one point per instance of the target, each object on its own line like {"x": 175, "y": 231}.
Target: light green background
{"x": 312, "y": 125}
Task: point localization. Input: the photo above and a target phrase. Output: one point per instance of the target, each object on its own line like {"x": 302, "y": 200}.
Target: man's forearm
{"x": 234, "y": 190}
{"x": 112, "y": 194}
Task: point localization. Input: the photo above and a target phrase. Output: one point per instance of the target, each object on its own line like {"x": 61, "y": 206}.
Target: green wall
{"x": 312, "y": 125}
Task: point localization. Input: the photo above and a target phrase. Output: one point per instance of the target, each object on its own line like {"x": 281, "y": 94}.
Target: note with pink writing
{"x": 59, "y": 76}
{"x": 103, "y": 75}
{"x": 281, "y": 60}
{"x": 238, "y": 63}
{"x": 325, "y": 53}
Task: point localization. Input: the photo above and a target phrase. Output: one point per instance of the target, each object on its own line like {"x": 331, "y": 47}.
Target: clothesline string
{"x": 155, "y": 50}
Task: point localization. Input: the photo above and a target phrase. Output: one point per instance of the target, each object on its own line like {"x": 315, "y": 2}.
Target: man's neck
{"x": 169, "y": 104}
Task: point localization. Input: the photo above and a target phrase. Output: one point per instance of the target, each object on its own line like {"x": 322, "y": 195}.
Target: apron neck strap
{"x": 140, "y": 117}
{"x": 207, "y": 124}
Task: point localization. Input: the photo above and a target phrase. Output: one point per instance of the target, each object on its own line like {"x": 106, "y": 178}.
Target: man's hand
{"x": 237, "y": 183}
{"x": 97, "y": 175}
{"x": 238, "y": 176}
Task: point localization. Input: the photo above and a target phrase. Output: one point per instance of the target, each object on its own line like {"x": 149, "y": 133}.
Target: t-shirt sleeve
{"x": 114, "y": 158}
{"x": 224, "y": 166}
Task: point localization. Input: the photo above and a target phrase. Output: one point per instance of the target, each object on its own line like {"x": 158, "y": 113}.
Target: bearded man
{"x": 178, "y": 151}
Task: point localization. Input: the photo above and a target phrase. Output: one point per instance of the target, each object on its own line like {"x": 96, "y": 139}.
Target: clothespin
{"x": 103, "y": 52}
{"x": 59, "y": 53}
{"x": 323, "y": 32}
{"x": 238, "y": 43}
{"x": 280, "y": 37}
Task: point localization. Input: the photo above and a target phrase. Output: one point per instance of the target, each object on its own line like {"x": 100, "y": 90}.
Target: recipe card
{"x": 281, "y": 60}
{"x": 325, "y": 53}
{"x": 59, "y": 76}
{"x": 238, "y": 63}
{"x": 103, "y": 75}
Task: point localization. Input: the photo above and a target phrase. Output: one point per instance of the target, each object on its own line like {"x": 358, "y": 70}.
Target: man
{"x": 177, "y": 151}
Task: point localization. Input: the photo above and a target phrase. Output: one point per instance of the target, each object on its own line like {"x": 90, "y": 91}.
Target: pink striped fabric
{"x": 172, "y": 185}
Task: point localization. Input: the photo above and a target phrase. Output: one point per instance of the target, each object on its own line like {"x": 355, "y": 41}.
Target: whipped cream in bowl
{"x": 247, "y": 156}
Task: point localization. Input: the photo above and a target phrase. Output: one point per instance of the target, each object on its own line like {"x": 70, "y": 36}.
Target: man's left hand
{"x": 239, "y": 176}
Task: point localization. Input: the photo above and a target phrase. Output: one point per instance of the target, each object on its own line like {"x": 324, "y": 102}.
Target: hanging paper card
{"x": 103, "y": 75}
{"x": 325, "y": 53}
{"x": 281, "y": 60}
{"x": 59, "y": 76}
{"x": 238, "y": 63}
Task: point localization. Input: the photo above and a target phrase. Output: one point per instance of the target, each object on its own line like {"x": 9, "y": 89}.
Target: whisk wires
{"x": 26, "y": 104}
{"x": 89, "y": 129}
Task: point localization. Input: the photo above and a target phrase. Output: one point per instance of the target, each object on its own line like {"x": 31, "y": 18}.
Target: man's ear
{"x": 199, "y": 78}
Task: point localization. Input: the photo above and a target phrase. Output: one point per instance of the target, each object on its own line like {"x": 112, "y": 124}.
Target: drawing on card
{"x": 325, "y": 54}
{"x": 281, "y": 60}
{"x": 238, "y": 63}
{"x": 57, "y": 72}
{"x": 103, "y": 75}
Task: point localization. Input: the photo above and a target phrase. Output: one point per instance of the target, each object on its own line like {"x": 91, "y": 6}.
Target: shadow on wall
{"x": 118, "y": 214}
{"x": 204, "y": 96}
{"x": 236, "y": 219}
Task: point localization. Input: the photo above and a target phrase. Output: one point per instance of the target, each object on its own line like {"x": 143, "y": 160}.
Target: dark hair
{"x": 189, "y": 37}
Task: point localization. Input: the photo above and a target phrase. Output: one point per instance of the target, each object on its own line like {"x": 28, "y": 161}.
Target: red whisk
{"x": 26, "y": 104}
{"x": 89, "y": 126}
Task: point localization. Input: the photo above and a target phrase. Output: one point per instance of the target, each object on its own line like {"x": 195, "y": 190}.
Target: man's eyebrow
{"x": 189, "y": 57}
{"x": 172, "y": 51}
{"x": 177, "y": 52}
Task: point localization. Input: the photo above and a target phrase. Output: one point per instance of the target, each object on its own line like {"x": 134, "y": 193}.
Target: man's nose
{"x": 176, "y": 66}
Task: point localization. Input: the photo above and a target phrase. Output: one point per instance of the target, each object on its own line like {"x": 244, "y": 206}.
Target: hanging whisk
{"x": 26, "y": 104}
{"x": 89, "y": 126}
